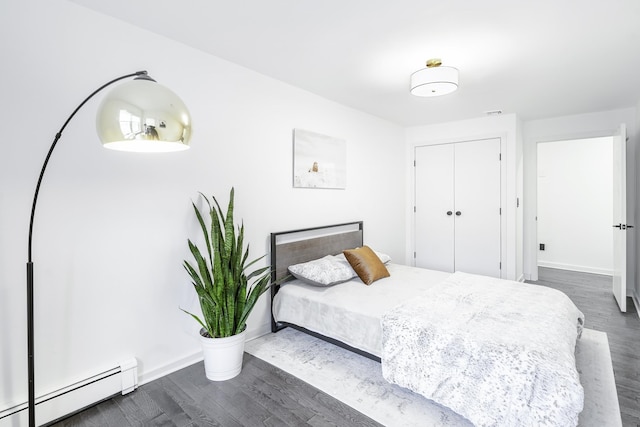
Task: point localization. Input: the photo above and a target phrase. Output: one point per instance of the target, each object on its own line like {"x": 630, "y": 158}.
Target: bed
{"x": 495, "y": 351}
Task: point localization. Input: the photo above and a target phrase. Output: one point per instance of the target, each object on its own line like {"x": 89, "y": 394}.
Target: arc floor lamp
{"x": 139, "y": 115}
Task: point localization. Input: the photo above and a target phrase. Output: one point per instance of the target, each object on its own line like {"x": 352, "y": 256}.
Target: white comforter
{"x": 351, "y": 311}
{"x": 500, "y": 353}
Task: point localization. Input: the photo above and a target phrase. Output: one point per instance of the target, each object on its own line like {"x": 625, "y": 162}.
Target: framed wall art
{"x": 319, "y": 161}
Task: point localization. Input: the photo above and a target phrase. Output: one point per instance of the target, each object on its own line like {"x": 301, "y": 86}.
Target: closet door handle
{"x": 449, "y": 213}
{"x": 458, "y": 213}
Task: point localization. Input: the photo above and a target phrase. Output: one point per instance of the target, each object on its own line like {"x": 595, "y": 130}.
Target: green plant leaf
{"x": 259, "y": 288}
{"x": 222, "y": 279}
{"x": 197, "y": 320}
{"x": 203, "y": 268}
{"x": 203, "y": 226}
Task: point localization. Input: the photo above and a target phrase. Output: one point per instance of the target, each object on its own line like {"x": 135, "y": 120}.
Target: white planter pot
{"x": 223, "y": 356}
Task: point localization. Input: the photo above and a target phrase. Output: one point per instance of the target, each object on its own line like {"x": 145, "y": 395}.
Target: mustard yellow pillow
{"x": 366, "y": 264}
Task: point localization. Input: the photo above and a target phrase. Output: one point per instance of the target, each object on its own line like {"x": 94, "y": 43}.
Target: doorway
{"x": 575, "y": 199}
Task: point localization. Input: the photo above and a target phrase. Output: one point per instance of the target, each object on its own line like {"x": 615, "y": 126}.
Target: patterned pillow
{"x": 326, "y": 271}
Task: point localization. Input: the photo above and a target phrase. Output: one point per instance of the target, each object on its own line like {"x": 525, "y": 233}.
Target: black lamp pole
{"x": 30, "y": 334}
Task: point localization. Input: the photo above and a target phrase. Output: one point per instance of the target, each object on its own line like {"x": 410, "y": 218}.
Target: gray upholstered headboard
{"x": 306, "y": 244}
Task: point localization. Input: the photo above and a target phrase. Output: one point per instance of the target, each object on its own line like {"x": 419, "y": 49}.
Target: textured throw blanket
{"x": 499, "y": 353}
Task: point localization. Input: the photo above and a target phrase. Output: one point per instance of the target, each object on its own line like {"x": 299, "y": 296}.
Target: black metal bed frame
{"x": 314, "y": 245}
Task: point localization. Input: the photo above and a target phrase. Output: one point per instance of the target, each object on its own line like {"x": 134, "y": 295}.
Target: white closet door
{"x": 434, "y": 243}
{"x": 477, "y": 207}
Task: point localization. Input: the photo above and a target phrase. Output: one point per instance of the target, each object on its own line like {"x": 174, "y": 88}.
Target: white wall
{"x": 575, "y": 127}
{"x": 504, "y": 127}
{"x": 575, "y": 195}
{"x": 111, "y": 227}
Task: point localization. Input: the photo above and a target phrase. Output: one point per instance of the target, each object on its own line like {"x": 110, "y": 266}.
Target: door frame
{"x": 601, "y": 165}
{"x": 531, "y": 195}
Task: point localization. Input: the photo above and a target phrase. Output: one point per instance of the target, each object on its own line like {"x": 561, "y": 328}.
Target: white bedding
{"x": 463, "y": 372}
{"x": 351, "y": 311}
{"x": 499, "y": 353}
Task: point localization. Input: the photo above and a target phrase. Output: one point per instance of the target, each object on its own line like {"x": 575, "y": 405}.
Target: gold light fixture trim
{"x": 435, "y": 62}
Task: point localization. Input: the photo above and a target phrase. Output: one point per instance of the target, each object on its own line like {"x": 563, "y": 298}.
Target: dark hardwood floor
{"x": 263, "y": 395}
{"x": 592, "y": 294}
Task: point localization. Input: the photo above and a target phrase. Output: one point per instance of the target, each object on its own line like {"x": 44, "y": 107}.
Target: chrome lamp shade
{"x": 142, "y": 115}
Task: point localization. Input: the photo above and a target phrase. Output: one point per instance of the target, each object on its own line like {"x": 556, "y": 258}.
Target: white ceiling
{"x": 538, "y": 59}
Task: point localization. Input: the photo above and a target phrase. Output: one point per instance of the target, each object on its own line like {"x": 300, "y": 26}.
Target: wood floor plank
{"x": 275, "y": 398}
{"x": 172, "y": 403}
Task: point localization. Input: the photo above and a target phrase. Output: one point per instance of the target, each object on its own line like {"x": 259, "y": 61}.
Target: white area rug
{"x": 357, "y": 381}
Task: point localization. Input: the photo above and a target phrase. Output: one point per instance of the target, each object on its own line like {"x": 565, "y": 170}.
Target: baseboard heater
{"x": 74, "y": 398}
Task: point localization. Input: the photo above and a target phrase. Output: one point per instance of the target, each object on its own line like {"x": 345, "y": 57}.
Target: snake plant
{"x": 220, "y": 275}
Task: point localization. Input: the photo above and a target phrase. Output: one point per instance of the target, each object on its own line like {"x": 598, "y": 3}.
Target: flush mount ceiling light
{"x": 434, "y": 80}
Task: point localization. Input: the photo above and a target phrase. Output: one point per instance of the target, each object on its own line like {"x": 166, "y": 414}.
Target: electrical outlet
{"x": 542, "y": 246}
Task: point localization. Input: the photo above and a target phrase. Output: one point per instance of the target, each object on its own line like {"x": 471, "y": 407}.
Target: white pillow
{"x": 326, "y": 271}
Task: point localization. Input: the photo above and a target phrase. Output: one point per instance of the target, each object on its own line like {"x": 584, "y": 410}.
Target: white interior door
{"x": 620, "y": 217}
{"x": 477, "y": 207}
{"x": 434, "y": 207}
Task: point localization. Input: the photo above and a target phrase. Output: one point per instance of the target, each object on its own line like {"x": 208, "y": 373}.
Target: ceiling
{"x": 538, "y": 59}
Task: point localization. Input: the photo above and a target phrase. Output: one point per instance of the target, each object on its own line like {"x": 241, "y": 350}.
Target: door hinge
{"x": 500, "y": 265}
{"x": 414, "y": 255}
{"x": 499, "y": 157}
{"x": 414, "y": 163}
{"x": 500, "y": 211}
{"x": 414, "y": 209}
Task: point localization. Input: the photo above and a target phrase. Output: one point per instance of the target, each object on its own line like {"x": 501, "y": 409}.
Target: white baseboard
{"x": 170, "y": 367}
{"x": 581, "y": 268}
{"x": 75, "y": 397}
{"x": 259, "y": 331}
